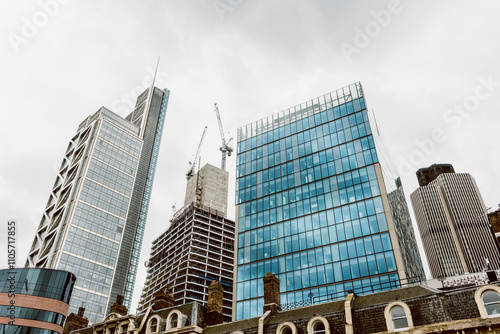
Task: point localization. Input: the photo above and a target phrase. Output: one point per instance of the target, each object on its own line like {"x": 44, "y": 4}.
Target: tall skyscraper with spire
{"x": 95, "y": 217}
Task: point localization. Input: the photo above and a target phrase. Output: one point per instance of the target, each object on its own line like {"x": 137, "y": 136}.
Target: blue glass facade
{"x": 309, "y": 203}
{"x": 94, "y": 221}
{"x": 129, "y": 288}
{"x": 93, "y": 241}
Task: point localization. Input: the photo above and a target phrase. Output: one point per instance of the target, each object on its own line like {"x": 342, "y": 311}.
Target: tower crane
{"x": 191, "y": 170}
{"x": 225, "y": 148}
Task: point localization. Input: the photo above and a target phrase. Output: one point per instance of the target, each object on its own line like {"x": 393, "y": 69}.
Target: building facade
{"x": 405, "y": 232}
{"x": 455, "y": 230}
{"x": 94, "y": 221}
{"x": 312, "y": 206}
{"x": 197, "y": 248}
{"x": 34, "y": 300}
{"x": 209, "y": 188}
{"x": 417, "y": 309}
{"x": 429, "y": 174}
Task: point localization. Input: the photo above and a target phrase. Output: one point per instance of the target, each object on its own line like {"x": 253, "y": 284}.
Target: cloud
{"x": 263, "y": 57}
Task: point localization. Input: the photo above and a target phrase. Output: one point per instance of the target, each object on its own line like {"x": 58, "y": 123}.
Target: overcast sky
{"x": 429, "y": 69}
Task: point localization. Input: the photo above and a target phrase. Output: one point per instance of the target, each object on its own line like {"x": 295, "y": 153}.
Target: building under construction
{"x": 198, "y": 247}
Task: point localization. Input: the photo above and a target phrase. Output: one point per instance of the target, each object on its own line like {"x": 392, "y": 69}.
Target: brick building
{"x": 413, "y": 309}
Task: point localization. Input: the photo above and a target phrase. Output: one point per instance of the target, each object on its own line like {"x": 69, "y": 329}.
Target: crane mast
{"x": 191, "y": 170}
{"x": 225, "y": 148}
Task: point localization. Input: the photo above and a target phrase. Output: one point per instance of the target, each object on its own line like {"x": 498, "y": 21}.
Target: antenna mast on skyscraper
{"x": 156, "y": 71}
{"x": 150, "y": 96}
{"x": 153, "y": 83}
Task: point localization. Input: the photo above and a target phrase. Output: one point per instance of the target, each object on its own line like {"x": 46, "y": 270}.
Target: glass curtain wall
{"x": 309, "y": 207}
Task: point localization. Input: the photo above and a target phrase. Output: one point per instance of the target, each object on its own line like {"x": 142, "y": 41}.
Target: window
{"x": 174, "y": 320}
{"x": 286, "y": 328}
{"x": 488, "y": 300}
{"x": 318, "y": 325}
{"x": 491, "y": 302}
{"x": 153, "y": 325}
{"x": 398, "y": 317}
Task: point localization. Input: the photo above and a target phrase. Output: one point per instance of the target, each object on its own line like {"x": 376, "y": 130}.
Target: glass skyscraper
{"x": 94, "y": 221}
{"x": 312, "y": 206}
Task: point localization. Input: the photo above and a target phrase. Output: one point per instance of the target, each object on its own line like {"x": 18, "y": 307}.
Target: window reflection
{"x": 491, "y": 302}
{"x": 398, "y": 318}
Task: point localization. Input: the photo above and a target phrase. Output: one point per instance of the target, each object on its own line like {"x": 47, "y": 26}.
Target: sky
{"x": 429, "y": 69}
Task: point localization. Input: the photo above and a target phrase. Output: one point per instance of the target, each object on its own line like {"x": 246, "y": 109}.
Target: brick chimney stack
{"x": 118, "y": 306}
{"x": 272, "y": 300}
{"x": 81, "y": 311}
{"x": 214, "y": 304}
{"x": 75, "y": 322}
{"x": 163, "y": 300}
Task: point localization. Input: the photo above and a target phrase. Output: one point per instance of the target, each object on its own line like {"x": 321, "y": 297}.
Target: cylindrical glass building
{"x": 34, "y": 300}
